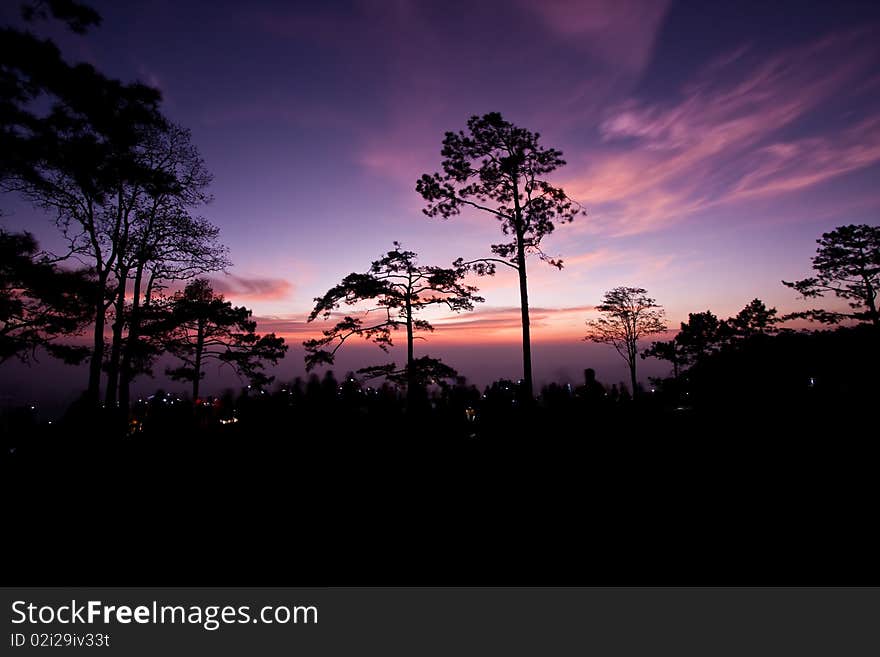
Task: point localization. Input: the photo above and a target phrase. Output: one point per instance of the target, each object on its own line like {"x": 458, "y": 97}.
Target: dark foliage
{"x": 400, "y": 289}
{"x": 77, "y": 16}
{"x": 847, "y": 264}
{"x": 39, "y": 302}
{"x": 201, "y": 326}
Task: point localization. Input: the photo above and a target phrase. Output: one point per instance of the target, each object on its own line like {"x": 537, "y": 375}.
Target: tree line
{"x": 126, "y": 188}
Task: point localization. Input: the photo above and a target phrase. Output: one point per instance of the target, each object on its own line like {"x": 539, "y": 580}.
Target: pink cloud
{"x": 503, "y": 324}
{"x": 252, "y": 288}
{"x": 484, "y": 325}
{"x": 720, "y": 143}
{"x": 290, "y": 328}
{"x": 401, "y": 155}
{"x": 789, "y": 166}
{"x": 619, "y": 33}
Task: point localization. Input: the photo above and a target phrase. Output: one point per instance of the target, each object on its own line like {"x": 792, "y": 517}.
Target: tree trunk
{"x": 130, "y": 344}
{"x": 632, "y": 377}
{"x": 197, "y": 366}
{"x": 872, "y": 306}
{"x": 410, "y": 358}
{"x": 524, "y": 310}
{"x": 116, "y": 345}
{"x": 94, "y": 390}
{"x": 523, "y": 293}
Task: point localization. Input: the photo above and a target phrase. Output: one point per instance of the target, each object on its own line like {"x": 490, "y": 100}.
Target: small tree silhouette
{"x": 629, "y": 315}
{"x": 669, "y": 350}
{"x": 401, "y": 288}
{"x": 500, "y": 169}
{"x": 204, "y": 326}
{"x": 846, "y": 263}
{"x": 755, "y": 319}
{"x": 701, "y": 335}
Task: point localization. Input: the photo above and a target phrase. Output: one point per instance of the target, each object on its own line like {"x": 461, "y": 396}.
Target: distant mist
{"x": 52, "y": 385}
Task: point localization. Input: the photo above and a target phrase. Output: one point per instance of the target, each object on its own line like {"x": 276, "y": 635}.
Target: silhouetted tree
{"x": 91, "y": 139}
{"x": 846, "y": 263}
{"x": 425, "y": 371}
{"x": 204, "y": 326}
{"x": 701, "y": 335}
{"x": 185, "y": 246}
{"x": 501, "y": 169}
{"x": 754, "y": 319}
{"x": 164, "y": 242}
{"x": 39, "y": 302}
{"x": 629, "y": 315}
{"x": 669, "y": 350}
{"x": 78, "y": 16}
{"x": 31, "y": 68}
{"x": 400, "y": 288}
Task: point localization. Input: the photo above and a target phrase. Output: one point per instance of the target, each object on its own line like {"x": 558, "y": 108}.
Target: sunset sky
{"x": 711, "y": 143}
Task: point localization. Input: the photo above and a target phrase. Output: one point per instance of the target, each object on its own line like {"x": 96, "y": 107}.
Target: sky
{"x": 710, "y": 144}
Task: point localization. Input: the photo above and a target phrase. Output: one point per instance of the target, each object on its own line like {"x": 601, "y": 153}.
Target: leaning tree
{"x": 628, "y": 315}
{"x": 847, "y": 264}
{"x": 501, "y": 169}
{"x": 398, "y": 288}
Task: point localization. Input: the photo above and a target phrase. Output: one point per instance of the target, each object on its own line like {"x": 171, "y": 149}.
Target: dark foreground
{"x": 653, "y": 495}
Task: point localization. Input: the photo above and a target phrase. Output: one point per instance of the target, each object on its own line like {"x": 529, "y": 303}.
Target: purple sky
{"x": 710, "y": 145}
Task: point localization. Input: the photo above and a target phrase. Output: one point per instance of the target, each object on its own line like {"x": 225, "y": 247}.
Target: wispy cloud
{"x": 433, "y": 88}
{"x": 504, "y": 324}
{"x": 252, "y": 288}
{"x": 737, "y": 132}
{"x": 793, "y": 165}
{"x": 485, "y": 324}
